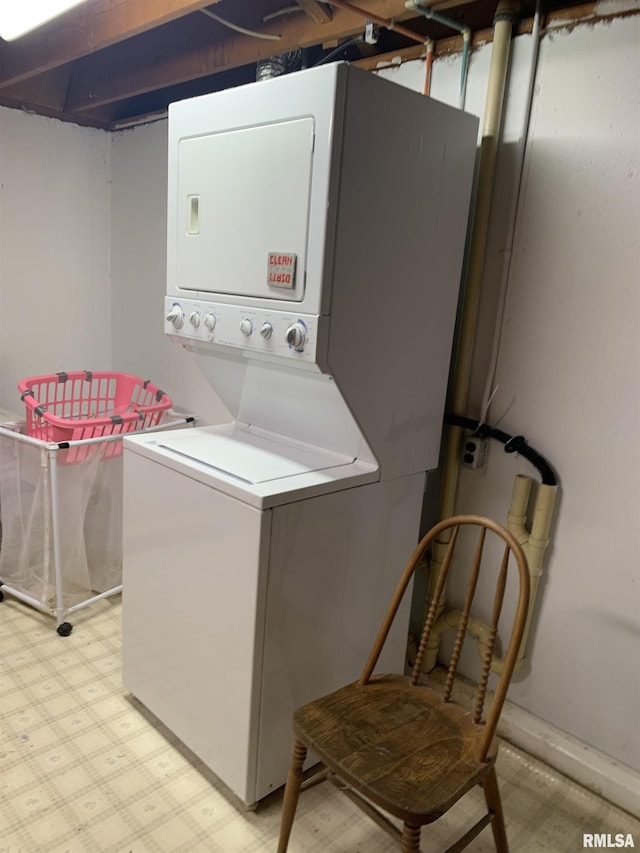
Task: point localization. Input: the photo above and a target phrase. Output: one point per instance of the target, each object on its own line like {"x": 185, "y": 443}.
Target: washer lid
{"x": 249, "y": 455}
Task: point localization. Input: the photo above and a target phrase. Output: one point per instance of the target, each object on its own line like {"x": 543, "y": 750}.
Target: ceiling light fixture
{"x": 18, "y": 17}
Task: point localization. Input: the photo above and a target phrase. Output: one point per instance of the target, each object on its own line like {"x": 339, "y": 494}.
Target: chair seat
{"x": 387, "y": 739}
{"x": 407, "y": 749}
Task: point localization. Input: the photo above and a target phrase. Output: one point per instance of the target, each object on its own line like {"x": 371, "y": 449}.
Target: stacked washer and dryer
{"x": 316, "y": 228}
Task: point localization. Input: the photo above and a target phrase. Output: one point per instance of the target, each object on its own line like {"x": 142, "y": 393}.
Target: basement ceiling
{"x": 109, "y": 63}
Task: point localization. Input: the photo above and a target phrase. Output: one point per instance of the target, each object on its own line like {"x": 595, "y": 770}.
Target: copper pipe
{"x": 428, "y": 66}
{"x": 382, "y": 22}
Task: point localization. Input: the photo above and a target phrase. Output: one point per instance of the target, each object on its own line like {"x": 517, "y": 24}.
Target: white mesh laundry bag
{"x": 89, "y": 533}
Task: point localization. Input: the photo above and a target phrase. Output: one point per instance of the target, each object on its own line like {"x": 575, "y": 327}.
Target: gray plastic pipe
{"x": 489, "y": 389}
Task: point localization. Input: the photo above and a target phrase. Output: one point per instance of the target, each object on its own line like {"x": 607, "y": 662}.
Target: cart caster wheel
{"x": 65, "y": 629}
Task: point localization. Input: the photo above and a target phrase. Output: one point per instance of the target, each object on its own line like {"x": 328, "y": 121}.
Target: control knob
{"x": 266, "y": 331}
{"x": 194, "y": 319}
{"x": 175, "y": 316}
{"x": 296, "y": 335}
{"x": 210, "y": 321}
{"x": 246, "y": 327}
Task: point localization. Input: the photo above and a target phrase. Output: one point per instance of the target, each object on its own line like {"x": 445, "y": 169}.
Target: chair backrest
{"x": 450, "y": 528}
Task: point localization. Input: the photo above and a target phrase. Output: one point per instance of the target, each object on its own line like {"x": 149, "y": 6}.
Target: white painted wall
{"x": 54, "y": 249}
{"x": 569, "y": 365}
{"x": 569, "y": 360}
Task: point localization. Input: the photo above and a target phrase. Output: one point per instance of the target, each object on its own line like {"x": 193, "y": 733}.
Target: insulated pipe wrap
{"x": 492, "y": 120}
{"x": 503, "y": 23}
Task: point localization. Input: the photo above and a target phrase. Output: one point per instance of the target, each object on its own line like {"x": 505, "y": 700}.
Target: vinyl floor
{"x": 84, "y": 768}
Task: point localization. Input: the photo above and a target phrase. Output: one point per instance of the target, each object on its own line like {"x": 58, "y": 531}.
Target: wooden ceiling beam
{"x": 316, "y": 11}
{"x": 89, "y": 27}
{"x": 151, "y": 62}
{"x": 40, "y": 109}
{"x": 48, "y": 90}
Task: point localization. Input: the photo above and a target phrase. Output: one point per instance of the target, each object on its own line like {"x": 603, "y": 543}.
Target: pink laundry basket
{"x": 86, "y": 404}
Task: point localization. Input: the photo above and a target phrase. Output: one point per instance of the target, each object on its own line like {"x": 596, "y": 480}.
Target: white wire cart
{"x": 61, "y": 516}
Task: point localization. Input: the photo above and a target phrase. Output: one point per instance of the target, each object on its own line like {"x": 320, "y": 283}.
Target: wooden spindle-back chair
{"x": 394, "y": 743}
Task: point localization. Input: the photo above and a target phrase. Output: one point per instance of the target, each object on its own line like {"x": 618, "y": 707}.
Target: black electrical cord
{"x": 338, "y": 50}
{"x": 512, "y": 444}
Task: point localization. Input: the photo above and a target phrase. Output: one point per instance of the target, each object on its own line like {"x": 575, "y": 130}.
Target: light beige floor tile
{"x": 46, "y": 829}
{"x": 72, "y": 782}
{"x": 92, "y": 741}
{"x": 21, "y": 776}
{"x": 33, "y": 740}
{"x": 112, "y": 832}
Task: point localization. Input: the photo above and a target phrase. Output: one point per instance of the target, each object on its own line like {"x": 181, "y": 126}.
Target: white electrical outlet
{"x": 473, "y": 452}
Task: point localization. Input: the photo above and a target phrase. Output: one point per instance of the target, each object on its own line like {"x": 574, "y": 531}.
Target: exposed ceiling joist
{"x": 87, "y": 28}
{"x": 109, "y": 63}
{"x": 198, "y": 50}
{"x": 316, "y": 11}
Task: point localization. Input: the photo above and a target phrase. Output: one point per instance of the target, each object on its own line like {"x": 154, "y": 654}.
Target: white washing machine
{"x": 315, "y": 238}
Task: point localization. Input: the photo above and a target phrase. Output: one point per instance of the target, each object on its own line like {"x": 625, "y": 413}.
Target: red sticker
{"x": 281, "y": 270}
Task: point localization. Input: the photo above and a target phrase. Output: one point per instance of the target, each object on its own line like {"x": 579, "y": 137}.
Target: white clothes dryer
{"x": 315, "y": 237}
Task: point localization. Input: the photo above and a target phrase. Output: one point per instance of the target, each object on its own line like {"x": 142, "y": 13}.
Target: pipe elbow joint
{"x": 507, "y": 10}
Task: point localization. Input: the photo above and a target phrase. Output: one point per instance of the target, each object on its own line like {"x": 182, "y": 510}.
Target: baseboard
{"x": 610, "y": 779}
{"x": 615, "y": 782}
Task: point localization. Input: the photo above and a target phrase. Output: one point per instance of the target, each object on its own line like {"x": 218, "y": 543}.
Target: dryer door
{"x": 243, "y": 210}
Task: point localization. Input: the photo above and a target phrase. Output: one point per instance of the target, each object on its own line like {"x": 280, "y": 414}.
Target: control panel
{"x": 278, "y": 333}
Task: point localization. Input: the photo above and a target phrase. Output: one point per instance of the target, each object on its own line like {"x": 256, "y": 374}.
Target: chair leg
{"x": 492, "y": 796}
{"x": 291, "y": 794}
{"x": 410, "y": 839}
